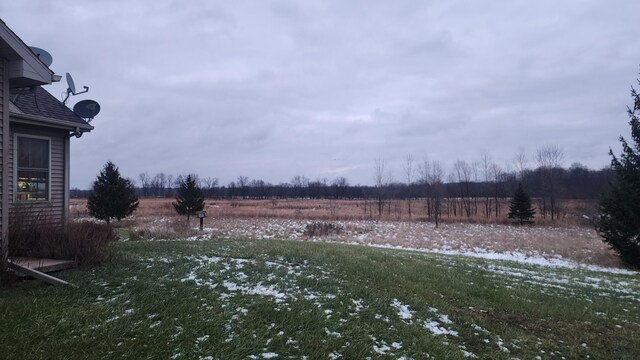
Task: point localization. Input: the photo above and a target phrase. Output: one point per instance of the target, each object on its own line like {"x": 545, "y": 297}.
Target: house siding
{"x": 2, "y": 80}
{"x": 52, "y": 210}
{"x": 4, "y": 123}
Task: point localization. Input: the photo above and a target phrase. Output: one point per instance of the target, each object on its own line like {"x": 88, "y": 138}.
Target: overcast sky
{"x": 274, "y": 89}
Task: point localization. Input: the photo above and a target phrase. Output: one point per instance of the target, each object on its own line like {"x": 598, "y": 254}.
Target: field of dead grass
{"x": 292, "y": 219}
{"x": 572, "y": 214}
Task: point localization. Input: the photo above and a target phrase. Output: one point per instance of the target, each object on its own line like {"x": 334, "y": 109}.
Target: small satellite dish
{"x": 72, "y": 85}
{"x": 43, "y": 55}
{"x": 72, "y": 88}
{"x": 87, "y": 109}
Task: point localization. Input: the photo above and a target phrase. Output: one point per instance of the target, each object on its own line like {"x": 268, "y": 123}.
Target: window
{"x": 32, "y": 168}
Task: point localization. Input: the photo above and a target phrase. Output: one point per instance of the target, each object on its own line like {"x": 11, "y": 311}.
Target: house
{"x": 35, "y": 133}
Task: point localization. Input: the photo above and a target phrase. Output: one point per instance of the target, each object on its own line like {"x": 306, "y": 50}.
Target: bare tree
{"x": 169, "y": 185}
{"x": 379, "y": 181}
{"x": 549, "y": 159}
{"x": 409, "y": 172}
{"x": 431, "y": 177}
{"x": 521, "y": 163}
{"x": 485, "y": 164}
{"x": 299, "y": 182}
{"x": 463, "y": 172}
{"x": 158, "y": 183}
{"x": 424, "y": 170}
{"x": 242, "y": 183}
{"x": 497, "y": 181}
{"x": 435, "y": 181}
{"x": 475, "y": 169}
{"x": 144, "y": 183}
{"x": 208, "y": 184}
{"x": 340, "y": 185}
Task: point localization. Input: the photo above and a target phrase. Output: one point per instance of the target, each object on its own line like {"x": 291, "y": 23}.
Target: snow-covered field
{"x": 552, "y": 246}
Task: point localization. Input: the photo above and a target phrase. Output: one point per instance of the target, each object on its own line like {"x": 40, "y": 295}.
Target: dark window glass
{"x": 33, "y": 169}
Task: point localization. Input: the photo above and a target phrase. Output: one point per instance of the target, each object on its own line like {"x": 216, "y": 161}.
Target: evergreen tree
{"x": 520, "y": 208}
{"x": 619, "y": 222}
{"x": 189, "y": 198}
{"x": 112, "y": 196}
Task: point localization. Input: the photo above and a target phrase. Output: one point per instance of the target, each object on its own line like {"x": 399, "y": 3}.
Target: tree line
{"x": 475, "y": 186}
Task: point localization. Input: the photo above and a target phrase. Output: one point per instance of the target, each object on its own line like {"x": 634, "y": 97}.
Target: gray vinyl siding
{"x": 2, "y": 114}
{"x": 53, "y": 209}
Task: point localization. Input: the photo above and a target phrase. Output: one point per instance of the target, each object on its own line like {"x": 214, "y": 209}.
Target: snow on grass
{"x": 479, "y": 329}
{"x": 403, "y": 310}
{"x": 332, "y": 333}
{"x": 202, "y": 339}
{"x": 501, "y": 346}
{"x": 357, "y": 305}
{"x": 278, "y": 280}
{"x": 468, "y": 354}
{"x": 516, "y": 257}
{"x": 552, "y": 281}
{"x": 435, "y": 328}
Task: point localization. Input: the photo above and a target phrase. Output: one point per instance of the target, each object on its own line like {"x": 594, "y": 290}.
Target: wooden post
{"x": 201, "y": 215}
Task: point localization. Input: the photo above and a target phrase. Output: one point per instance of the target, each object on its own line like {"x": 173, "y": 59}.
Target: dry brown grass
{"x": 345, "y": 210}
{"x": 571, "y": 237}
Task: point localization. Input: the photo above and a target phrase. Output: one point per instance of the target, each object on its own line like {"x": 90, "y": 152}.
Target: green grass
{"x": 244, "y": 299}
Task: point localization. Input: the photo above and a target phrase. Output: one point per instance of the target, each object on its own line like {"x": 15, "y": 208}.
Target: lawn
{"x": 260, "y": 299}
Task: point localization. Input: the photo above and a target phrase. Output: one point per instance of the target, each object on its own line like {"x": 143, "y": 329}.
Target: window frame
{"x": 16, "y": 168}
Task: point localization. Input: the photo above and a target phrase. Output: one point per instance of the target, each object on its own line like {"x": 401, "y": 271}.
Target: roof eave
{"x": 26, "y": 69}
{"x": 49, "y": 122}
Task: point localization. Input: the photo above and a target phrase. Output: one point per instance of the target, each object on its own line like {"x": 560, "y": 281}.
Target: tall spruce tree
{"x": 112, "y": 196}
{"x": 189, "y": 198}
{"x": 520, "y": 208}
{"x": 619, "y": 221}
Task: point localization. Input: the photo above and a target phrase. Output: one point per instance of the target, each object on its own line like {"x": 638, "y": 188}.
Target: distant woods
{"x": 470, "y": 189}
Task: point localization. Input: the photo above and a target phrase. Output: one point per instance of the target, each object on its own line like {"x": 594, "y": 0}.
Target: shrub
{"x": 85, "y": 242}
{"x": 322, "y": 229}
{"x": 173, "y": 228}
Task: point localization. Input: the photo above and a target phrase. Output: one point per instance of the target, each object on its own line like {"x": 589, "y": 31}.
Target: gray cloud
{"x": 275, "y": 89}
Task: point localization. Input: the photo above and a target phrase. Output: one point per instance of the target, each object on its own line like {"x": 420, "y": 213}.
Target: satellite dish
{"x": 72, "y": 85}
{"x": 87, "y": 109}
{"x": 43, "y": 55}
{"x": 72, "y": 88}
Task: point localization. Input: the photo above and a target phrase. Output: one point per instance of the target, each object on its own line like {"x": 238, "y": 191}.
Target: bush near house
{"x": 85, "y": 242}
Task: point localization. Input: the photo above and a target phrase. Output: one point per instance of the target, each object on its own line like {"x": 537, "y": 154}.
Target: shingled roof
{"x": 40, "y": 102}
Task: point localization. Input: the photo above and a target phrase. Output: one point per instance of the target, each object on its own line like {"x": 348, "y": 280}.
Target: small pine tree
{"x": 189, "y": 198}
{"x": 619, "y": 221}
{"x": 112, "y": 196}
{"x": 520, "y": 208}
